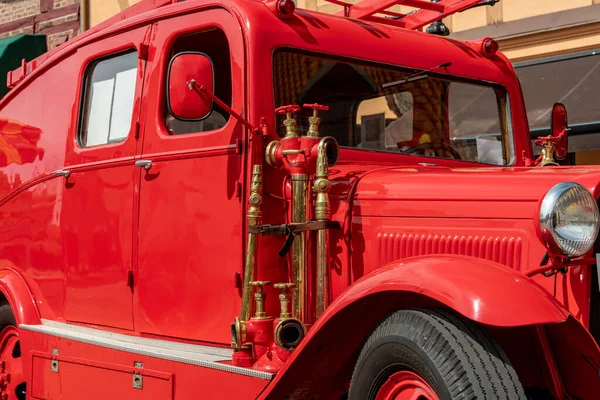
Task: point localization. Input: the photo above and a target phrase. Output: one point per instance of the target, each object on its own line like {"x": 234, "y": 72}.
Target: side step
{"x": 202, "y": 356}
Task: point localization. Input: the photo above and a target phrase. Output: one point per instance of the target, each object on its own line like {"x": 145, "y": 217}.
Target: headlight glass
{"x": 569, "y": 219}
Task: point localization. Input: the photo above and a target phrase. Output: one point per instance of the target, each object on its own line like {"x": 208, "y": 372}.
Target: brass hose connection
{"x": 289, "y": 122}
{"x": 259, "y": 299}
{"x": 284, "y": 298}
{"x": 289, "y": 332}
{"x": 254, "y": 220}
{"x": 314, "y": 121}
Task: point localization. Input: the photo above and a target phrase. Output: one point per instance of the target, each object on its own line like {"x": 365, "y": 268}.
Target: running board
{"x": 202, "y": 356}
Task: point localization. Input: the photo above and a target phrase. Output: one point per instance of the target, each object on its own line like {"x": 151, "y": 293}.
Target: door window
{"x": 109, "y": 93}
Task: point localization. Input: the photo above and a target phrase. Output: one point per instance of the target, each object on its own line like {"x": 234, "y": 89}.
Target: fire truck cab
{"x": 240, "y": 199}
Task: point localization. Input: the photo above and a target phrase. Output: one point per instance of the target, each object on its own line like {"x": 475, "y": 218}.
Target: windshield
{"x": 422, "y": 113}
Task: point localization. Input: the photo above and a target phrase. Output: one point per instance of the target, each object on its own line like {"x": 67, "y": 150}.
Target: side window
{"x": 108, "y": 97}
{"x": 214, "y": 44}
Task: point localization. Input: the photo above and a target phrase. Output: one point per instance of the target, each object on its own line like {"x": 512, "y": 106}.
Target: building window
{"x": 214, "y": 44}
{"x": 573, "y": 80}
{"x": 108, "y": 98}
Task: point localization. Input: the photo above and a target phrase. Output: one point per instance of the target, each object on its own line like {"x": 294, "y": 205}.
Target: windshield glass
{"x": 423, "y": 114}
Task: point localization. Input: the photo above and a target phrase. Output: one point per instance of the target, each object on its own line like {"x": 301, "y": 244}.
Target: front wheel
{"x": 12, "y": 380}
{"x": 432, "y": 355}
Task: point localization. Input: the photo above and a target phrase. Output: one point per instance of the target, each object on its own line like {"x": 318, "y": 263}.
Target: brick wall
{"x": 58, "y": 19}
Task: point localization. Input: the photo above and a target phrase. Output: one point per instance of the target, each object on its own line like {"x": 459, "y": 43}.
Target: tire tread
{"x": 471, "y": 363}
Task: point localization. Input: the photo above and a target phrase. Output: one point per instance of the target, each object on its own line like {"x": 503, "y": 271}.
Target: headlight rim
{"x": 546, "y": 214}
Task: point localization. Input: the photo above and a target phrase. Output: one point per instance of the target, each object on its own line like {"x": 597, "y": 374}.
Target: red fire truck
{"x": 240, "y": 199}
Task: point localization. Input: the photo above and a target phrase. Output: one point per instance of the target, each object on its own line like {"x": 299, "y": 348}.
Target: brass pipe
{"x": 299, "y": 259}
{"x": 254, "y": 220}
{"x": 322, "y": 213}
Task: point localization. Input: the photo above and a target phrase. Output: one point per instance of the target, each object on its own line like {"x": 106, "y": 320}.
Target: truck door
{"x": 190, "y": 224}
{"x": 96, "y": 216}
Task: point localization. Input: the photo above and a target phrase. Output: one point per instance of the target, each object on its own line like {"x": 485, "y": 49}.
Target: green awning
{"x": 16, "y": 48}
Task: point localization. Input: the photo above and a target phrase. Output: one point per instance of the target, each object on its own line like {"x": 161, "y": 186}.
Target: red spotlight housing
{"x": 285, "y": 8}
{"x": 489, "y": 47}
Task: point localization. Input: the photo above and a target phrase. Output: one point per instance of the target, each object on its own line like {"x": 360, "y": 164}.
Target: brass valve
{"x": 289, "y": 122}
{"x": 259, "y": 299}
{"x": 284, "y": 298}
{"x": 548, "y": 143}
{"x": 314, "y": 121}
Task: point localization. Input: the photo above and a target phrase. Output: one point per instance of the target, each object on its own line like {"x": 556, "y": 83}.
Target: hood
{"x": 501, "y": 193}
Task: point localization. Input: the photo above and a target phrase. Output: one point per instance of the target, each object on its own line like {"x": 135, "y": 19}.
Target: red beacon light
{"x": 284, "y": 9}
{"x": 489, "y": 47}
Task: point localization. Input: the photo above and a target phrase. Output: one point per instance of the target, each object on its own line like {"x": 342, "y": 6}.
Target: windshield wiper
{"x": 417, "y": 76}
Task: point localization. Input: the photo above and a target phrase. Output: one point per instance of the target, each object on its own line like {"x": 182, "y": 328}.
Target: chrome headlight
{"x": 569, "y": 219}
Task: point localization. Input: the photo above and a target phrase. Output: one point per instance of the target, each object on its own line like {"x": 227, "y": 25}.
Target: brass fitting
{"x": 548, "y": 155}
{"x": 284, "y": 298}
{"x": 259, "y": 299}
{"x": 254, "y": 219}
{"x": 289, "y": 122}
{"x": 314, "y": 121}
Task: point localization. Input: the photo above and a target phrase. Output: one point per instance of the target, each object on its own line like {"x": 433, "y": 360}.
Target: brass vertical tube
{"x": 254, "y": 220}
{"x": 321, "y": 186}
{"x": 299, "y": 259}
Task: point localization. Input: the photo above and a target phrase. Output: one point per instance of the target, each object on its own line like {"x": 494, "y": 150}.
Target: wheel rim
{"x": 11, "y": 369}
{"x": 406, "y": 385}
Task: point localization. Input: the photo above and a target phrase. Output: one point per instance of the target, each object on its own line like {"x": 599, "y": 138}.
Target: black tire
{"x": 6, "y": 316}
{"x": 456, "y": 357}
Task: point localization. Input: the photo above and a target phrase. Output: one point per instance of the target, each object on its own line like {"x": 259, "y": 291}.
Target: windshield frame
{"x": 506, "y": 122}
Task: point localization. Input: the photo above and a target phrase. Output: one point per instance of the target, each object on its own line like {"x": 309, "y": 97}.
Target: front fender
{"x": 483, "y": 291}
{"x": 18, "y": 295}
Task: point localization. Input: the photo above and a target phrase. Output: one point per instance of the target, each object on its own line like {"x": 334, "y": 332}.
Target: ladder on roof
{"x": 426, "y": 11}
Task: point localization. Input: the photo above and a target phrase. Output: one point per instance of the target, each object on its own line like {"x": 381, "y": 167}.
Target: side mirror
{"x": 560, "y": 128}
{"x": 184, "y": 103}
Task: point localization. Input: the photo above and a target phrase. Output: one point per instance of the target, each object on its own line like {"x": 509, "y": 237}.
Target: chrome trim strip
{"x": 202, "y": 356}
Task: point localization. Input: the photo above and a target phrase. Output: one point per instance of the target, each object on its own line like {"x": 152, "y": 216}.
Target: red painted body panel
{"x": 110, "y": 366}
{"x": 69, "y": 247}
{"x": 193, "y": 258}
{"x": 456, "y": 282}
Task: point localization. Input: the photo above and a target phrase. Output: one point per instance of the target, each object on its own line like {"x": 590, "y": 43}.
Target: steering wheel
{"x": 440, "y": 149}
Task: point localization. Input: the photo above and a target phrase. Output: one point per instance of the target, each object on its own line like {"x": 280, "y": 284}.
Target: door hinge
{"x": 137, "y": 129}
{"x": 238, "y": 146}
{"x": 130, "y": 278}
{"x": 143, "y": 52}
{"x": 238, "y": 189}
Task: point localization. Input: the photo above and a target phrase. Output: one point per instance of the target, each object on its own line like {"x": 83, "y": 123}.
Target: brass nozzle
{"x": 259, "y": 299}
{"x": 284, "y": 298}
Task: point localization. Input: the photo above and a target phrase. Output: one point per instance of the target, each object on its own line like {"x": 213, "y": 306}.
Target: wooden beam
{"x": 67, "y": 26}
{"x": 46, "y": 5}
{"x": 34, "y": 20}
{"x": 17, "y": 24}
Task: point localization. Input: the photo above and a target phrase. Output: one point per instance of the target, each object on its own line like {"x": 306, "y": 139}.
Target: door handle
{"x": 146, "y": 164}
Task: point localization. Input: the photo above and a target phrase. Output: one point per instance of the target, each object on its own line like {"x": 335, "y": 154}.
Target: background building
{"x": 555, "y": 45}
{"x": 59, "y": 20}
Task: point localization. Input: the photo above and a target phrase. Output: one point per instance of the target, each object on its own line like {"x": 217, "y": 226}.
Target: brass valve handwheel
{"x": 260, "y": 284}
{"x": 284, "y": 287}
